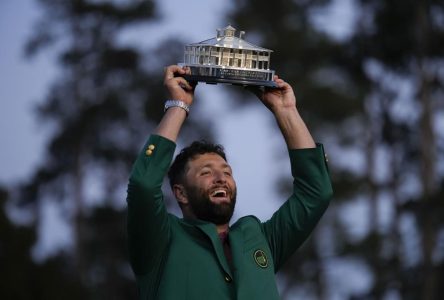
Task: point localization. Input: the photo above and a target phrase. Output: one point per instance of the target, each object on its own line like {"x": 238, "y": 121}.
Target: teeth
{"x": 222, "y": 193}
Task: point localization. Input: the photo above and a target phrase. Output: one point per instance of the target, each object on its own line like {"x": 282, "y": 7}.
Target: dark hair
{"x": 177, "y": 169}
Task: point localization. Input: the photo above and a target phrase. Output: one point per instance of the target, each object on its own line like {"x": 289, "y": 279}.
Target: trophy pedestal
{"x": 234, "y": 76}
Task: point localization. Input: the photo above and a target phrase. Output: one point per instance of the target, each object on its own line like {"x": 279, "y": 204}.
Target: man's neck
{"x": 222, "y": 228}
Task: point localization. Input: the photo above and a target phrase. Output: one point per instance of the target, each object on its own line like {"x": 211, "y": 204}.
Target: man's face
{"x": 210, "y": 188}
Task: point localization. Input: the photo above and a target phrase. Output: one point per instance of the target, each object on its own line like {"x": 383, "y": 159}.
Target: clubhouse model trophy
{"x": 228, "y": 58}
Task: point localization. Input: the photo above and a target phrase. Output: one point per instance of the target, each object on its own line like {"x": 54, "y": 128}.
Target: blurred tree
{"x": 106, "y": 99}
{"x": 401, "y": 45}
{"x": 376, "y": 94}
{"x": 21, "y": 278}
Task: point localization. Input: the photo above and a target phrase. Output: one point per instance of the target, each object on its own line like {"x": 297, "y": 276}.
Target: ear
{"x": 180, "y": 193}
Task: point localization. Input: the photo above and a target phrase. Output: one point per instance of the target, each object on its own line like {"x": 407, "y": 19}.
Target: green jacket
{"x": 179, "y": 259}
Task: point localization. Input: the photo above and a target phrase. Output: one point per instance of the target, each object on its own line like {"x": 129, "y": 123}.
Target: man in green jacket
{"x": 201, "y": 256}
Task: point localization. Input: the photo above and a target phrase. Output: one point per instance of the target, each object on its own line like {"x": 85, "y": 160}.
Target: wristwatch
{"x": 177, "y": 103}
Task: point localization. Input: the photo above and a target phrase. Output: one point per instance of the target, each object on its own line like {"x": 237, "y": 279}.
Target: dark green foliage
{"x": 21, "y": 277}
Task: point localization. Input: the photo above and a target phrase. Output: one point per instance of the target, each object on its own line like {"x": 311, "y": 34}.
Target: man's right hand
{"x": 178, "y": 87}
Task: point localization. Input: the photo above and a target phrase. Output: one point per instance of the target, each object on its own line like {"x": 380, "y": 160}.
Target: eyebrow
{"x": 209, "y": 165}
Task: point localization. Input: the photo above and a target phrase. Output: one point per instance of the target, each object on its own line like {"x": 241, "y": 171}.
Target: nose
{"x": 220, "y": 177}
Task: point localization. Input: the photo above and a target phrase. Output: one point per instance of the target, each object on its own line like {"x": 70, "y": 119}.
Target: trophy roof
{"x": 225, "y": 38}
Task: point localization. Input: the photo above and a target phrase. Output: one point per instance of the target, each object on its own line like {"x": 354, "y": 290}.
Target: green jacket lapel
{"x": 210, "y": 231}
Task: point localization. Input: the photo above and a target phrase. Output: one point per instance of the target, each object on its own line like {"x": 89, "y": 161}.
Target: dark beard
{"x": 206, "y": 210}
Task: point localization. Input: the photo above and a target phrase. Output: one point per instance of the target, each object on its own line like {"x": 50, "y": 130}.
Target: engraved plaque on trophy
{"x": 228, "y": 58}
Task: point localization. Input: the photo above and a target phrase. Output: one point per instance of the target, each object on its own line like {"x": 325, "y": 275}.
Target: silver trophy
{"x": 228, "y": 58}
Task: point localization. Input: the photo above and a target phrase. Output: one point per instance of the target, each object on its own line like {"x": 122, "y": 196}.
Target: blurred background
{"x": 81, "y": 89}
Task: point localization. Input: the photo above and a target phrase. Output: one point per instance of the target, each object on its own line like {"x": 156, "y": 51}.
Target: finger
{"x": 286, "y": 88}
{"x": 187, "y": 70}
{"x": 280, "y": 83}
{"x": 183, "y": 83}
{"x": 170, "y": 71}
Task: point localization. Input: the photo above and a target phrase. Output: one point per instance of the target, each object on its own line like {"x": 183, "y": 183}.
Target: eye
{"x": 205, "y": 173}
{"x": 228, "y": 172}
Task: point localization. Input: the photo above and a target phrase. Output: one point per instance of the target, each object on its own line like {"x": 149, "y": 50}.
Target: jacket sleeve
{"x": 148, "y": 223}
{"x": 292, "y": 223}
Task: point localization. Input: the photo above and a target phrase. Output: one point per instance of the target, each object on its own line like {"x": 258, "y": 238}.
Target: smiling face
{"x": 209, "y": 189}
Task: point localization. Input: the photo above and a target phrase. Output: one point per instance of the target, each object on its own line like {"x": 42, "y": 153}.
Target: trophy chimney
{"x": 219, "y": 33}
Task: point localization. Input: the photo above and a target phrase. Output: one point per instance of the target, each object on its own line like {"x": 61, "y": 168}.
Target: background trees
{"x": 373, "y": 95}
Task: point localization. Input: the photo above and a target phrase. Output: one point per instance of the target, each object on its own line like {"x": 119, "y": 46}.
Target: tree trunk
{"x": 427, "y": 154}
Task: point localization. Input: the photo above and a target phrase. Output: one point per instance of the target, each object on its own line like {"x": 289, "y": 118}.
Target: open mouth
{"x": 220, "y": 196}
{"x": 219, "y": 193}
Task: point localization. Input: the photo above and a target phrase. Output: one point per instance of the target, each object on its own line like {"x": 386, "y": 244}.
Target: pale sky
{"x": 247, "y": 134}
{"x": 254, "y": 149}
{"x": 22, "y": 84}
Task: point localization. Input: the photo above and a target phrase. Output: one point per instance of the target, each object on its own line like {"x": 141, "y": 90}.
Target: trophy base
{"x": 241, "y": 82}
{"x": 214, "y": 74}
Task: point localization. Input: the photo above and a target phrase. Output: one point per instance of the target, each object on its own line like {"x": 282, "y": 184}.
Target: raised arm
{"x": 178, "y": 90}
{"x": 290, "y": 226}
{"x": 148, "y": 221}
{"x": 282, "y": 103}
